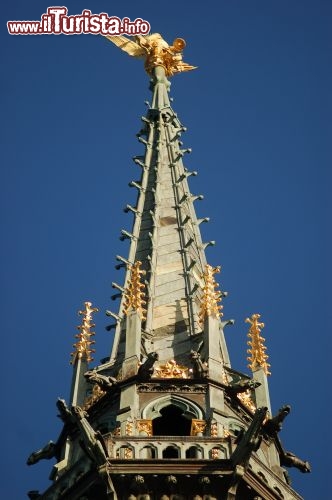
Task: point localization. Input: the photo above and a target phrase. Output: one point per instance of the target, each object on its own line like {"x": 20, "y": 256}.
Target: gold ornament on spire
{"x": 156, "y": 52}
{"x": 171, "y": 370}
{"x": 134, "y": 292}
{"x": 257, "y": 358}
{"x": 83, "y": 345}
{"x": 210, "y": 305}
{"x": 245, "y": 398}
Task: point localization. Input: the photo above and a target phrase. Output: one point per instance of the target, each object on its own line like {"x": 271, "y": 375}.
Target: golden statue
{"x": 156, "y": 52}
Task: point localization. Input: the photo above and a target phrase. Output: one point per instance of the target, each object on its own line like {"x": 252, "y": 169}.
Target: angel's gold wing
{"x": 132, "y": 48}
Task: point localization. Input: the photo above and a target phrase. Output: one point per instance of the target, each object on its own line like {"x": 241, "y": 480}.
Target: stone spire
{"x": 165, "y": 238}
{"x": 168, "y": 416}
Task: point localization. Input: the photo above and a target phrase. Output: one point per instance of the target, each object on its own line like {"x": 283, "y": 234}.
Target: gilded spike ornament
{"x": 83, "y": 345}
{"x": 134, "y": 292}
{"x": 257, "y": 358}
{"x": 156, "y": 52}
{"x": 210, "y": 305}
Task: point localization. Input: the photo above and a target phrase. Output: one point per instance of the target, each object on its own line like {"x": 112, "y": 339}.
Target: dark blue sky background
{"x": 258, "y": 112}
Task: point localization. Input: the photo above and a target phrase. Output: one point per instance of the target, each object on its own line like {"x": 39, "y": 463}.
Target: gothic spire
{"x": 168, "y": 391}
{"x": 165, "y": 237}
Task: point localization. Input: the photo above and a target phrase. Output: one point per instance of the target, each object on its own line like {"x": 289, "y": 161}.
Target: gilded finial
{"x": 257, "y": 358}
{"x": 156, "y": 52}
{"x": 210, "y": 305}
{"x": 134, "y": 292}
{"x": 83, "y": 344}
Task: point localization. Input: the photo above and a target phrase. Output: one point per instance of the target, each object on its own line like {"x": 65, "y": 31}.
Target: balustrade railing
{"x": 161, "y": 447}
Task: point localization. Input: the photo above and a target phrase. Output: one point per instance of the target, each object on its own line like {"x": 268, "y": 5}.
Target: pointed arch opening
{"x": 171, "y": 422}
{"x": 172, "y": 415}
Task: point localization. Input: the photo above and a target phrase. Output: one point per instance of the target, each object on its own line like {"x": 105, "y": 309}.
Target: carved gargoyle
{"x": 249, "y": 440}
{"x": 288, "y": 459}
{"x": 103, "y": 381}
{"x": 34, "y": 494}
{"x": 200, "y": 370}
{"x": 274, "y": 425}
{"x": 65, "y": 413}
{"x": 47, "y": 452}
{"x": 92, "y": 441}
{"x": 242, "y": 386}
{"x": 145, "y": 371}
{"x": 93, "y": 445}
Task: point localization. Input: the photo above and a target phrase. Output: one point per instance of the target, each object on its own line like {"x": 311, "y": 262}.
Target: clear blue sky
{"x": 258, "y": 112}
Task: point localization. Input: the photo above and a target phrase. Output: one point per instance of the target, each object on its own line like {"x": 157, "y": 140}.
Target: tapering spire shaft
{"x": 165, "y": 238}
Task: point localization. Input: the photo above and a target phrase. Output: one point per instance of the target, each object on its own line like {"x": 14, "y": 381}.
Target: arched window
{"x": 262, "y": 476}
{"x": 194, "y": 452}
{"x": 172, "y": 422}
{"x": 171, "y": 452}
{"x": 279, "y": 492}
{"x": 148, "y": 452}
{"x": 172, "y": 415}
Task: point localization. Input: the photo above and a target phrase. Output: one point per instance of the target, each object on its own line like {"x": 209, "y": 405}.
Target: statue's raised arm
{"x": 156, "y": 52}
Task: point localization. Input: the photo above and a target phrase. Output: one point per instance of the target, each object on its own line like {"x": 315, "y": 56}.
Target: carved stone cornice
{"x": 171, "y": 387}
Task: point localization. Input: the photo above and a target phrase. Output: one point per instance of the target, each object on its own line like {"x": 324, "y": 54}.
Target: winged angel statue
{"x": 156, "y": 52}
